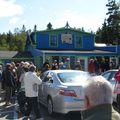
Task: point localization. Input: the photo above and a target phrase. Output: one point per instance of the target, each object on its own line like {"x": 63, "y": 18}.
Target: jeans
{"x": 8, "y": 93}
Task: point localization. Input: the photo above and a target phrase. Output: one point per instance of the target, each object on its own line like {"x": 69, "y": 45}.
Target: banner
{"x": 66, "y": 38}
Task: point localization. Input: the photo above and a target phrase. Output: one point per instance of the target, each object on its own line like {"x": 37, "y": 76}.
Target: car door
{"x": 109, "y": 75}
{"x": 42, "y": 87}
{"x": 112, "y": 79}
{"x": 114, "y": 83}
{"x": 45, "y": 87}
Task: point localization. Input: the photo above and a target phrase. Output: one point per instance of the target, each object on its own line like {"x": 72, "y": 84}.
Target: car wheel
{"x": 50, "y": 106}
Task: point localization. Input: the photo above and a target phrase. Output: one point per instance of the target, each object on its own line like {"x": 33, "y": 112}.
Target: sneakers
{"x": 7, "y": 104}
{"x": 26, "y": 118}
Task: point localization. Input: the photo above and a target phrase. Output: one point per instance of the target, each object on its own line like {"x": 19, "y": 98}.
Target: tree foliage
{"x": 110, "y": 31}
{"x": 49, "y": 26}
{"x": 13, "y": 41}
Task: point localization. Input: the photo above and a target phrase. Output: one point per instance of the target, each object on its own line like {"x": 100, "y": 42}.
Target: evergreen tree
{"x": 113, "y": 21}
{"x": 35, "y": 28}
{"x": 110, "y": 31}
{"x": 9, "y": 40}
{"x": 104, "y": 33}
{"x": 98, "y": 36}
{"x": 49, "y": 26}
{"x": 23, "y": 28}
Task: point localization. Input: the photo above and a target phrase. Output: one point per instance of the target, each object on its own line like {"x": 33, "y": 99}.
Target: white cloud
{"x": 23, "y": 21}
{"x": 79, "y": 20}
{"x": 9, "y": 8}
{"x": 14, "y": 20}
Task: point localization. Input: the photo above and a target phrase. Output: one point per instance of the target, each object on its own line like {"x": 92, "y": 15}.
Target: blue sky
{"x": 89, "y": 14}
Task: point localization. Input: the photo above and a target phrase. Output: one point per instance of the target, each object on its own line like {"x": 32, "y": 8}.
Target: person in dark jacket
{"x": 8, "y": 83}
{"x": 78, "y": 66}
{"x": 98, "y": 100}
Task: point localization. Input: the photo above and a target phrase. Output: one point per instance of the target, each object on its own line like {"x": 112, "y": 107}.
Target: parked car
{"x": 61, "y": 91}
{"x": 109, "y": 75}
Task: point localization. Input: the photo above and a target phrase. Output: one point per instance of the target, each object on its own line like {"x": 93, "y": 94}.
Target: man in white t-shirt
{"x": 31, "y": 82}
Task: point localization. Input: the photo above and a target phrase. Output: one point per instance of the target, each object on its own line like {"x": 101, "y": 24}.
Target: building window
{"x": 78, "y": 42}
{"x": 53, "y": 41}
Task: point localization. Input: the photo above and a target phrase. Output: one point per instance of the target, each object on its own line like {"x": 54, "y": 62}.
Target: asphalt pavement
{"x": 10, "y": 112}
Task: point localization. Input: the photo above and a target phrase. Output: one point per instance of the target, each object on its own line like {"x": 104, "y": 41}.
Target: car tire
{"x": 50, "y": 106}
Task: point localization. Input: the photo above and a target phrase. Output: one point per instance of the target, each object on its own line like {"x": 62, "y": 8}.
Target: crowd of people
{"x": 21, "y": 79}
{"x": 94, "y": 66}
{"x": 61, "y": 66}
{"x": 98, "y": 67}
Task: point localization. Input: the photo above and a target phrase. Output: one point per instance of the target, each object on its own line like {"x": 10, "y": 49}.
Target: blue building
{"x": 66, "y": 42}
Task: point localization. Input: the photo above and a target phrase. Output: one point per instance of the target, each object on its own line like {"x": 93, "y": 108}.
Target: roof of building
{"x": 66, "y": 27}
{"x": 14, "y": 54}
{"x": 83, "y": 53}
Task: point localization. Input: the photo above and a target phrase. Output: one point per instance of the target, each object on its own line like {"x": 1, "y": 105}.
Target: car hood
{"x": 72, "y": 84}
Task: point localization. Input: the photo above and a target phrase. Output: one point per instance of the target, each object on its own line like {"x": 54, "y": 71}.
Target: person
{"x": 54, "y": 65}
{"x": 61, "y": 66}
{"x": 19, "y": 72}
{"x": 46, "y": 68}
{"x": 91, "y": 66}
{"x": 21, "y": 94}
{"x": 46, "y": 62}
{"x": 8, "y": 83}
{"x": 78, "y": 66}
{"x": 98, "y": 100}
{"x": 97, "y": 67}
{"x": 0, "y": 78}
{"x": 31, "y": 82}
{"x": 117, "y": 78}
{"x": 13, "y": 68}
{"x": 66, "y": 64}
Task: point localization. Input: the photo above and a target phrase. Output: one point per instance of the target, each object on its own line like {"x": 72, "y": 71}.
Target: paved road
{"x": 70, "y": 116}
{"x": 10, "y": 113}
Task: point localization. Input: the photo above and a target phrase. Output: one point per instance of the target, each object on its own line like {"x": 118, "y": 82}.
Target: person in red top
{"x": 91, "y": 67}
{"x": 117, "y": 75}
{"x": 117, "y": 78}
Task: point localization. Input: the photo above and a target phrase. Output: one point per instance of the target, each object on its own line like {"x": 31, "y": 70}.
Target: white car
{"x": 109, "y": 75}
{"x": 61, "y": 91}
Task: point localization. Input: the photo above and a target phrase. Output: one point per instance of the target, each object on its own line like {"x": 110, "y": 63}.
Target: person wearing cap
{"x": 31, "y": 82}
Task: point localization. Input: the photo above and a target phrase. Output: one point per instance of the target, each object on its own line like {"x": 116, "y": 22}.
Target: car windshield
{"x": 73, "y": 77}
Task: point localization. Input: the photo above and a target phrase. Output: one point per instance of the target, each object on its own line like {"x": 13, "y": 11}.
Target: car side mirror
{"x": 51, "y": 81}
